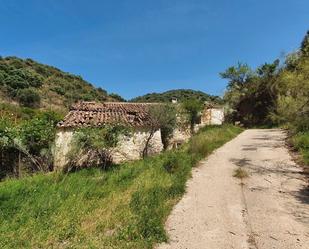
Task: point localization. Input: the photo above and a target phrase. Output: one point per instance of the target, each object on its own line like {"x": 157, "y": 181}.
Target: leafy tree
{"x": 161, "y": 117}
{"x": 192, "y": 108}
{"x": 237, "y": 75}
{"x": 251, "y": 94}
{"x": 26, "y": 139}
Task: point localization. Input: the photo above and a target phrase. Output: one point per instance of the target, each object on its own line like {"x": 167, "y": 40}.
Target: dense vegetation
{"x": 26, "y": 140}
{"x": 124, "y": 207}
{"x": 180, "y": 94}
{"x": 32, "y": 84}
{"x": 273, "y": 94}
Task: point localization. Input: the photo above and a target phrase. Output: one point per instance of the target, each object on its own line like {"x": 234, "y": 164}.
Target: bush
{"x": 91, "y": 146}
{"x": 28, "y": 97}
{"x": 301, "y": 143}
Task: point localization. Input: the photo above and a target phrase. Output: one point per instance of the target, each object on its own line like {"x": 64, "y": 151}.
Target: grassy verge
{"x": 301, "y": 142}
{"x": 121, "y": 208}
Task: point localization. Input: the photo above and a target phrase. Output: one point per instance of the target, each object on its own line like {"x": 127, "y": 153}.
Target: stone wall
{"x": 128, "y": 148}
{"x": 212, "y": 116}
{"x": 179, "y": 136}
{"x": 62, "y": 147}
{"x": 131, "y": 147}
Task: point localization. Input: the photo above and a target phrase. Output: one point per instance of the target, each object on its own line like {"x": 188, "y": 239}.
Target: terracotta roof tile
{"x": 88, "y": 114}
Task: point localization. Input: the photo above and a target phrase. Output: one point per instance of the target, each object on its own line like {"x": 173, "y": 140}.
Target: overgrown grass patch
{"x": 301, "y": 143}
{"x": 124, "y": 207}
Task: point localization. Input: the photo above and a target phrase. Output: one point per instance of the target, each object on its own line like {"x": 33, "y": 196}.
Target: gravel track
{"x": 269, "y": 209}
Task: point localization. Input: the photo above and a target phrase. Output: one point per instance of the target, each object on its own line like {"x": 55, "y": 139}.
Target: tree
{"x": 251, "y": 95}
{"x": 161, "y": 117}
{"x": 237, "y": 75}
{"x": 192, "y": 107}
{"x": 304, "y": 48}
{"x": 92, "y": 146}
{"x": 29, "y": 97}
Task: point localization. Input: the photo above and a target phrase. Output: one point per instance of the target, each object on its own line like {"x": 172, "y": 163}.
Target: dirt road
{"x": 269, "y": 209}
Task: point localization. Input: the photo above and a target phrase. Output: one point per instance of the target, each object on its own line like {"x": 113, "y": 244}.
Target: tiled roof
{"x": 92, "y": 114}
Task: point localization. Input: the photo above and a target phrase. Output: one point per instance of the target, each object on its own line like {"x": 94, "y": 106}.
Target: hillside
{"x": 32, "y": 84}
{"x": 180, "y": 94}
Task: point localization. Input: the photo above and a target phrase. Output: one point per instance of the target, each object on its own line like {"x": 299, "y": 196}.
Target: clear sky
{"x": 133, "y": 47}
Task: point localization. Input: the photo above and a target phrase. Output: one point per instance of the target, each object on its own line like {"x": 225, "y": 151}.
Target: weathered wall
{"x": 62, "y": 147}
{"x": 128, "y": 148}
{"x": 179, "y": 136}
{"x": 131, "y": 147}
{"x": 212, "y": 116}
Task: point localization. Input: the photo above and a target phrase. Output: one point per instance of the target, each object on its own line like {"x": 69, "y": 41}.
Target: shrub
{"x": 28, "y": 97}
{"x": 91, "y": 146}
{"x": 301, "y": 143}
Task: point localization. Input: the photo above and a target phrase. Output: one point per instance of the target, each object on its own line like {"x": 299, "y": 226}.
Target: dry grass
{"x": 240, "y": 173}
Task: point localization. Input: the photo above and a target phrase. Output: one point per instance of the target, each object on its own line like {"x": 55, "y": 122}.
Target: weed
{"x": 240, "y": 173}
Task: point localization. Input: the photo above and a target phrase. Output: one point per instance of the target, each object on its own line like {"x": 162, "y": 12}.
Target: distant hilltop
{"x": 179, "y": 94}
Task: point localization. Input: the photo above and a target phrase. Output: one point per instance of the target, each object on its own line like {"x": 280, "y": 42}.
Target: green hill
{"x": 32, "y": 84}
{"x": 180, "y": 94}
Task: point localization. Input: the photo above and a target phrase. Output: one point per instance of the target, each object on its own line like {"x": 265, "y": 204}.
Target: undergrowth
{"x": 301, "y": 143}
{"x": 123, "y": 207}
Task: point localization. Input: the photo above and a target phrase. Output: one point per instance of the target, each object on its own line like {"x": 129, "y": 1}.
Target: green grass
{"x": 125, "y": 207}
{"x": 301, "y": 143}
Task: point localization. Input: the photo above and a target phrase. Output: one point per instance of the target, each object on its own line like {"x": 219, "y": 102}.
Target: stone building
{"x": 135, "y": 115}
{"x": 92, "y": 114}
{"x": 212, "y": 115}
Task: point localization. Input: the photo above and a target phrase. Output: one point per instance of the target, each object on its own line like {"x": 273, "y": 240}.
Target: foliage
{"x": 39, "y": 132}
{"x": 180, "y": 94}
{"x": 273, "y": 94}
{"x": 26, "y": 139}
{"x": 237, "y": 75}
{"x": 92, "y": 146}
{"x": 304, "y": 48}
{"x": 124, "y": 207}
{"x": 28, "y": 97}
{"x": 251, "y": 94}
{"x": 301, "y": 143}
{"x": 292, "y": 107}
{"x": 117, "y": 97}
{"x": 192, "y": 108}
{"x": 163, "y": 117}
{"x": 27, "y": 81}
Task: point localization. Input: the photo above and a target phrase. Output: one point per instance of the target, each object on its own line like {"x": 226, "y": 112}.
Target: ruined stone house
{"x": 210, "y": 115}
{"x": 135, "y": 115}
{"x": 92, "y": 114}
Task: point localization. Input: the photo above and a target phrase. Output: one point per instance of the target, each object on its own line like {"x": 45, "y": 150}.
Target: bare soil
{"x": 268, "y": 209}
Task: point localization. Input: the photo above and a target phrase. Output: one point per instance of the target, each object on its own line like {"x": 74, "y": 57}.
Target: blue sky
{"x": 133, "y": 47}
